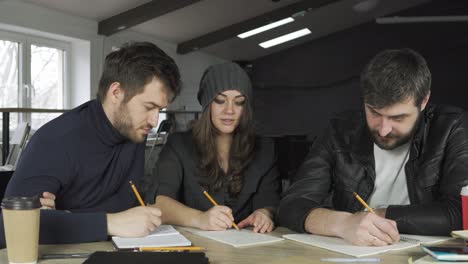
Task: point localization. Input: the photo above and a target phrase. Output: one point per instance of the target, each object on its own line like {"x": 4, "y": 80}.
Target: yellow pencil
{"x": 171, "y": 248}
{"x": 363, "y": 202}
{"x": 137, "y": 194}
{"x": 215, "y": 203}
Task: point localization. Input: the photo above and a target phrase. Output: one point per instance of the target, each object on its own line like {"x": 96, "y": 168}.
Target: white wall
{"x": 81, "y": 82}
{"x": 86, "y": 45}
{"x": 28, "y": 18}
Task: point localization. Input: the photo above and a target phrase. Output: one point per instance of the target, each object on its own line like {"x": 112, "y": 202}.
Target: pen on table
{"x": 170, "y": 249}
{"x": 137, "y": 194}
{"x": 215, "y": 203}
{"x": 363, "y": 202}
{"x": 65, "y": 256}
{"x": 350, "y": 259}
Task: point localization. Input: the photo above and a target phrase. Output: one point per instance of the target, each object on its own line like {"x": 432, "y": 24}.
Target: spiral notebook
{"x": 341, "y": 246}
{"x": 163, "y": 236}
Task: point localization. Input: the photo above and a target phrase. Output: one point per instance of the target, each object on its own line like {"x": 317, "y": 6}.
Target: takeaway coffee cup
{"x": 21, "y": 223}
{"x": 464, "y": 198}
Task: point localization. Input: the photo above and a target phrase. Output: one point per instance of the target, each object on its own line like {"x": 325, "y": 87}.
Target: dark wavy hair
{"x": 241, "y": 152}
{"x": 394, "y": 76}
{"x": 134, "y": 65}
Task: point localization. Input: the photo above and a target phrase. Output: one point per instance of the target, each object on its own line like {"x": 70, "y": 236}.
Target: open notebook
{"x": 241, "y": 238}
{"x": 340, "y": 245}
{"x": 163, "y": 236}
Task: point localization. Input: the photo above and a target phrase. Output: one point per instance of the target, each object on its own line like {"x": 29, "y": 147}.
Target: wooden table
{"x": 280, "y": 252}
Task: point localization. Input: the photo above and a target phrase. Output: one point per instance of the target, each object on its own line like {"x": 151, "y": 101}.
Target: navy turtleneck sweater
{"x": 87, "y": 164}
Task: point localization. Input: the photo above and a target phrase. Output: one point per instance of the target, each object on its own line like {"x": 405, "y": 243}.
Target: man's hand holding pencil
{"x": 135, "y": 222}
{"x": 367, "y": 229}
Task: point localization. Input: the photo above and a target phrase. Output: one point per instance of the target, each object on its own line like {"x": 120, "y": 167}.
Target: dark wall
{"x": 297, "y": 90}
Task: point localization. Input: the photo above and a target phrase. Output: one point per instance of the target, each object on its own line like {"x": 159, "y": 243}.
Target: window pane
{"x": 161, "y": 117}
{"x": 47, "y": 81}
{"x": 9, "y": 78}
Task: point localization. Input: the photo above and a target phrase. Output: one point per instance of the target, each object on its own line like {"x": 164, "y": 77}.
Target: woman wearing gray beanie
{"x": 220, "y": 155}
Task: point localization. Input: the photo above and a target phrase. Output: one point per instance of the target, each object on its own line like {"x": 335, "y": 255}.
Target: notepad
{"x": 463, "y": 234}
{"x": 163, "y": 236}
{"x": 241, "y": 238}
{"x": 340, "y": 245}
{"x": 447, "y": 253}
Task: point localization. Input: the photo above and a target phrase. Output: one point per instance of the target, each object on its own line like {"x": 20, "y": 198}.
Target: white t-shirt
{"x": 390, "y": 186}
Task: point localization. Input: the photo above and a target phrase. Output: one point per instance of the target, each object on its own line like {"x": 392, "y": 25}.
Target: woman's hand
{"x": 260, "y": 219}
{"x": 216, "y": 219}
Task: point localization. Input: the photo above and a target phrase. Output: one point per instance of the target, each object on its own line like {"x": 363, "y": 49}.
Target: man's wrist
{"x": 336, "y": 222}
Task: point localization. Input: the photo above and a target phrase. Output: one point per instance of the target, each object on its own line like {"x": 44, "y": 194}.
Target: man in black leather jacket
{"x": 404, "y": 157}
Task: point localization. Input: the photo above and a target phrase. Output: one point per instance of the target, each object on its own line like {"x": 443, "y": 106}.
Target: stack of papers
{"x": 163, "y": 236}
{"x": 447, "y": 253}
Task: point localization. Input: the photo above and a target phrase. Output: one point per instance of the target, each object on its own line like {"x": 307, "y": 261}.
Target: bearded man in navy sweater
{"x": 85, "y": 158}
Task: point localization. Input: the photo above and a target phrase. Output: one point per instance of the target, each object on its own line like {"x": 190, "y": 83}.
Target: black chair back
{"x": 5, "y": 177}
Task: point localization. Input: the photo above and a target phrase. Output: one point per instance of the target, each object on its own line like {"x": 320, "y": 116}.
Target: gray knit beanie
{"x": 223, "y": 77}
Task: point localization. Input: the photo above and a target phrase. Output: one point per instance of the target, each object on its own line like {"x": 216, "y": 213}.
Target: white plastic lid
{"x": 464, "y": 191}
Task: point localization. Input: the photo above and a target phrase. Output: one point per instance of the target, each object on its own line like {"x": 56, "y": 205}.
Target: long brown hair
{"x": 240, "y": 154}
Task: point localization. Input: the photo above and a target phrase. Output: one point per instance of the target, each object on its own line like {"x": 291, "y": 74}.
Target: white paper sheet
{"x": 340, "y": 245}
{"x": 241, "y": 238}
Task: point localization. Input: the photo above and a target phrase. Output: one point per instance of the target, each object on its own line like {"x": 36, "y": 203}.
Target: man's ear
{"x": 425, "y": 101}
{"x": 115, "y": 94}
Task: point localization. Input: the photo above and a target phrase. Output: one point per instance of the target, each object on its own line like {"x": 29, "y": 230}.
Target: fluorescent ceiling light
{"x": 265, "y": 28}
{"x": 365, "y": 6}
{"x": 285, "y": 38}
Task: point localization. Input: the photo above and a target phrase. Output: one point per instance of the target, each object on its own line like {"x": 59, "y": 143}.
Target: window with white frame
{"x": 33, "y": 74}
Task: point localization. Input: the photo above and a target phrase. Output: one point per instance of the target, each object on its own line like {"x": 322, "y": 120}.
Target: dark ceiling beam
{"x": 140, "y": 14}
{"x": 252, "y": 23}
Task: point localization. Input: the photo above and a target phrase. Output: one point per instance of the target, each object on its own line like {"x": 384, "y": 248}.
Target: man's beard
{"x": 123, "y": 123}
{"x": 399, "y": 139}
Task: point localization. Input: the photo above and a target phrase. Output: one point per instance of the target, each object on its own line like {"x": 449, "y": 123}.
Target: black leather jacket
{"x": 342, "y": 162}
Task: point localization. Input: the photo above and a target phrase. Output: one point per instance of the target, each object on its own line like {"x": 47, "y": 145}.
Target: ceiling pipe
{"x": 421, "y": 19}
